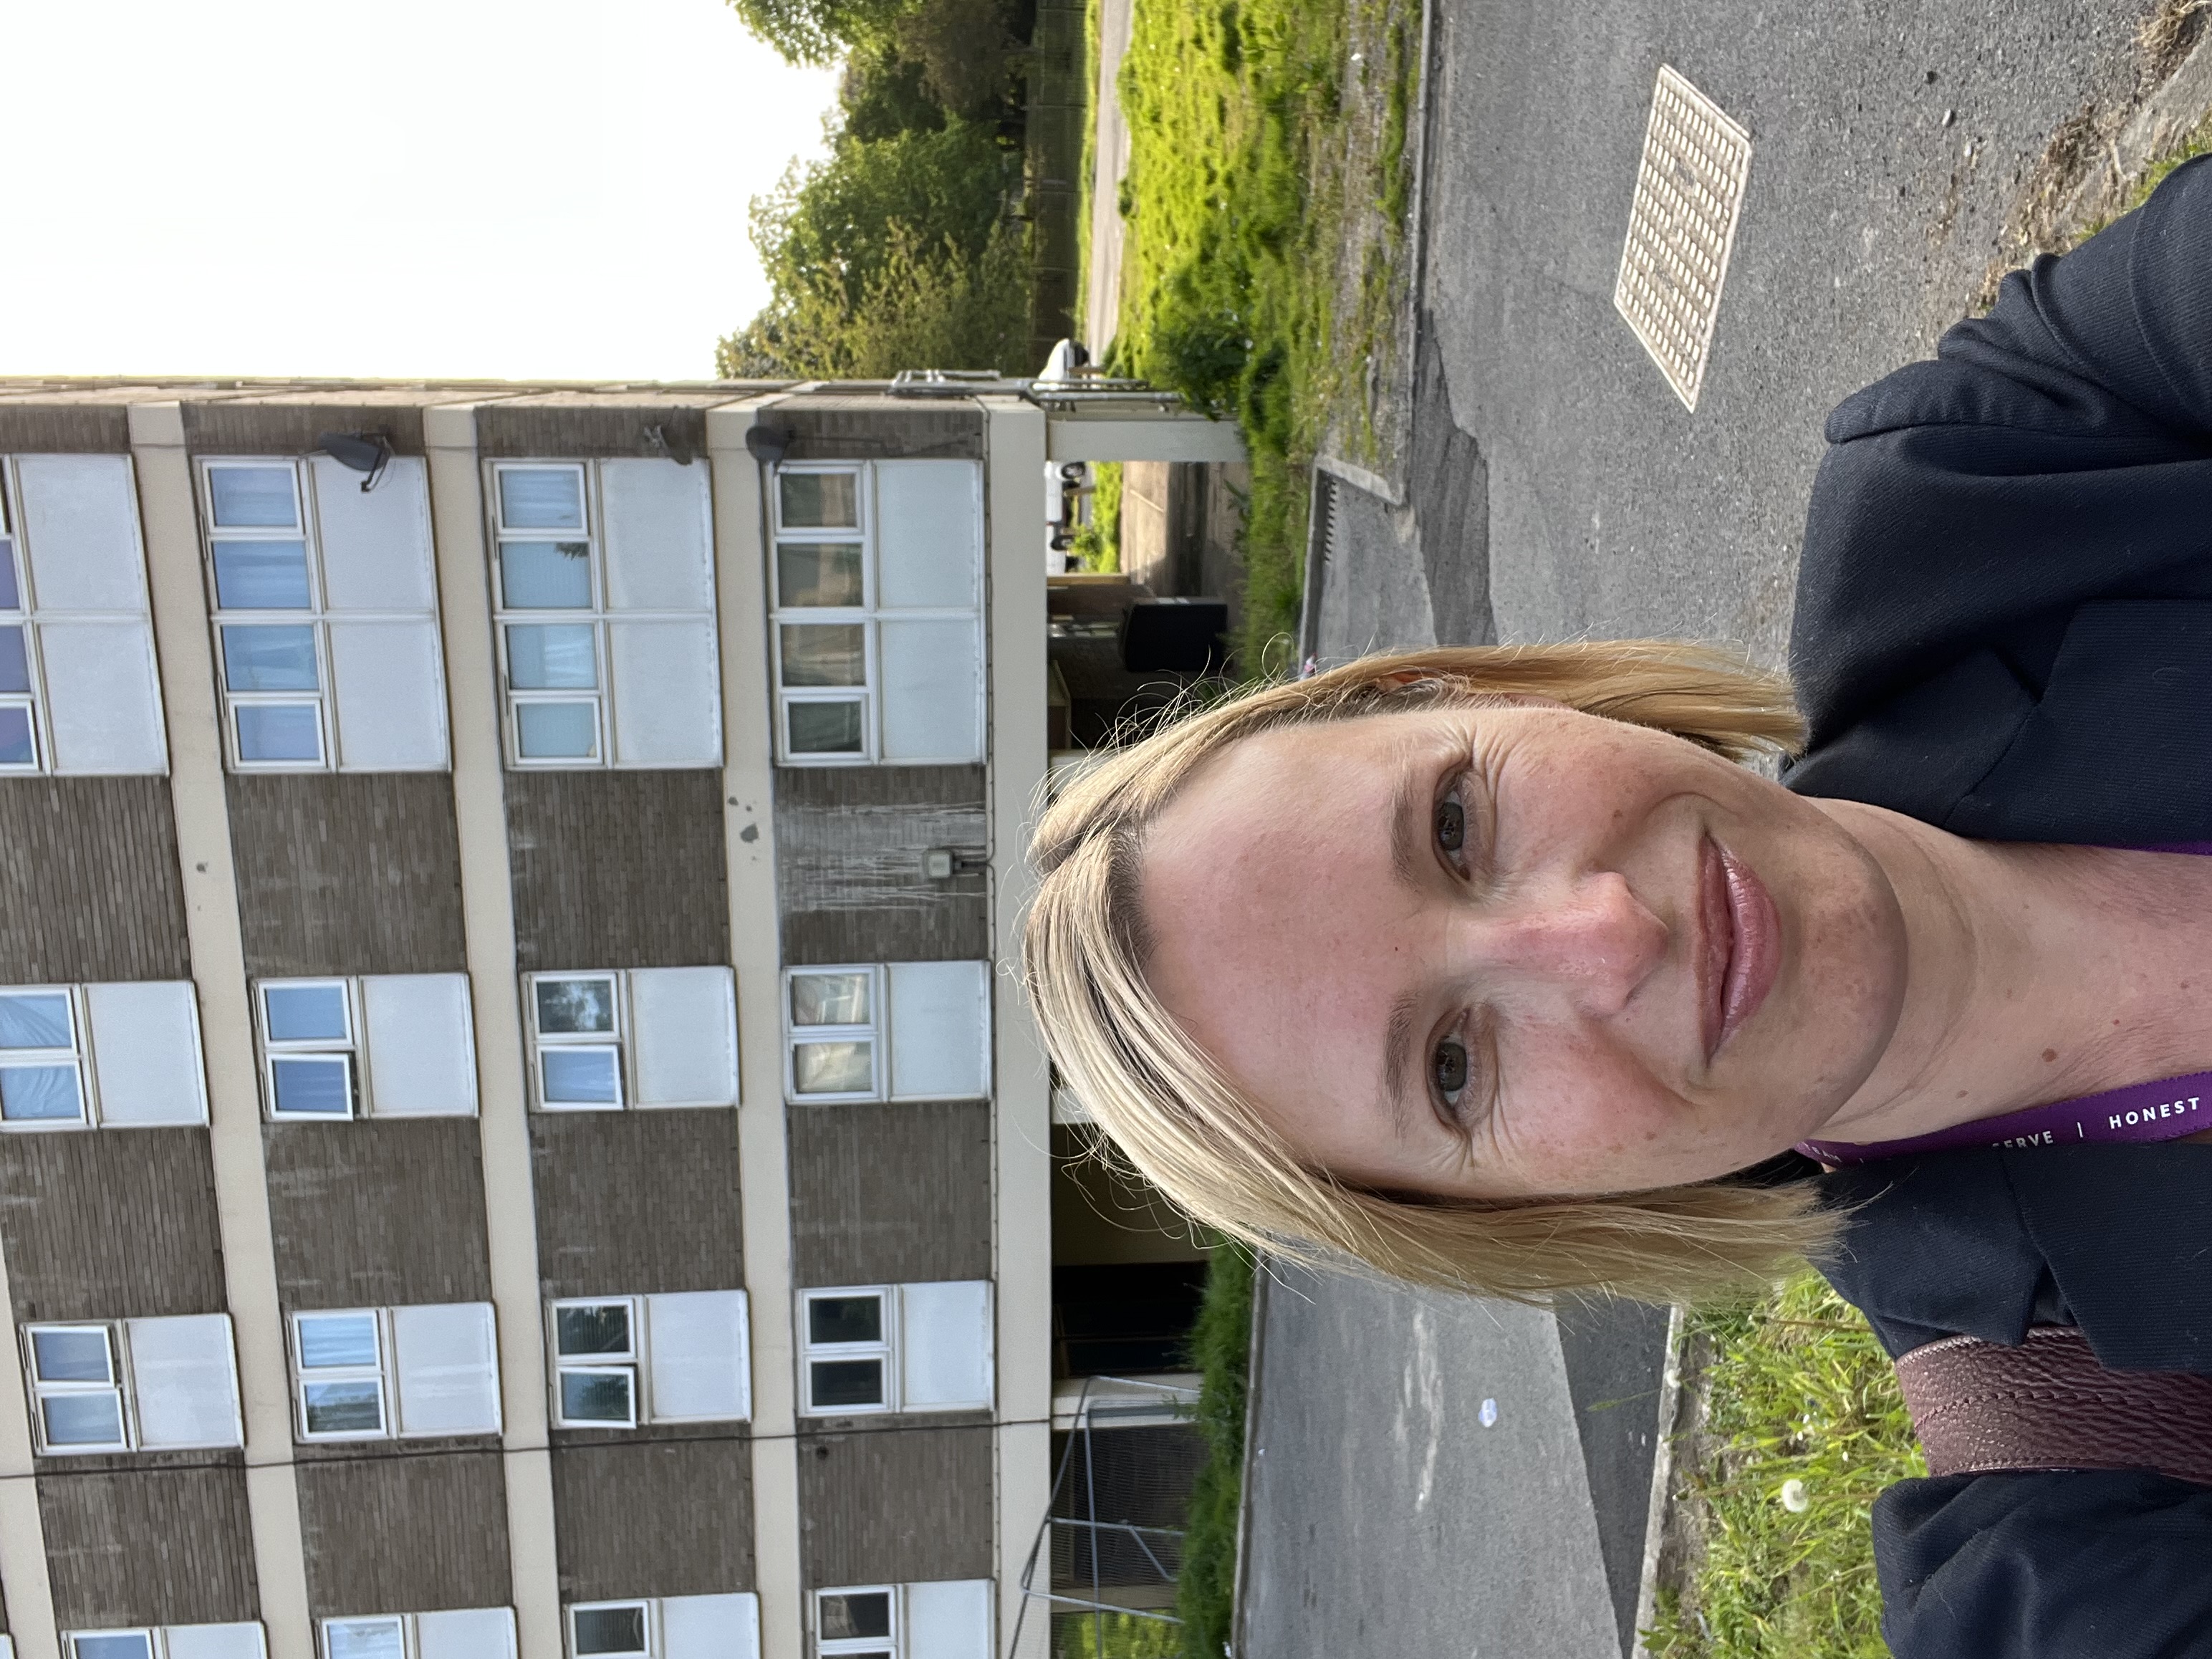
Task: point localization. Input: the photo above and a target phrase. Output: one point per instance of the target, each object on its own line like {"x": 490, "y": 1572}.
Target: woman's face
{"x": 1514, "y": 950}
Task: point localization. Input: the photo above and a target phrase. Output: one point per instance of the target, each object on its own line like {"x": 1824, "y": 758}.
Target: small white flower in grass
{"x": 1794, "y": 1498}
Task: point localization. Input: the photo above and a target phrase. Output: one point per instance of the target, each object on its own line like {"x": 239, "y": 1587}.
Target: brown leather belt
{"x": 1980, "y": 1407}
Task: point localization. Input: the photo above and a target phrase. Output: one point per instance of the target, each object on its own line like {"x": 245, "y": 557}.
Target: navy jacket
{"x": 2004, "y": 627}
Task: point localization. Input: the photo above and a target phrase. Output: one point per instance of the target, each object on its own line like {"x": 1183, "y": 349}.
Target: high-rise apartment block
{"x": 518, "y": 1136}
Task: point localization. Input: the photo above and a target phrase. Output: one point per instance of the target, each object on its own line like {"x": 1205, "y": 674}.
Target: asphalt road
{"x": 1102, "y": 304}
{"x": 1555, "y": 488}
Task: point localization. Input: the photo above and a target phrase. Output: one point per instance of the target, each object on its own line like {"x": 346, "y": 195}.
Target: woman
{"x": 1494, "y": 969}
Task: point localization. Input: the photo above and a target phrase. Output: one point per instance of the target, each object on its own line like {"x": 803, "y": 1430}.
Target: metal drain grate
{"x": 1689, "y": 191}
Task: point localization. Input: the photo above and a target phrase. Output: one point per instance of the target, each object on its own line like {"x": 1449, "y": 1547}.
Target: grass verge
{"x": 1773, "y": 1491}
{"x": 1087, "y": 175}
{"x": 1221, "y": 1353}
{"x": 1099, "y": 544}
{"x": 1269, "y": 182}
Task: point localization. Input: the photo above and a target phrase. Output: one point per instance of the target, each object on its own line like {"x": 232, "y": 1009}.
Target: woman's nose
{"x": 1593, "y": 939}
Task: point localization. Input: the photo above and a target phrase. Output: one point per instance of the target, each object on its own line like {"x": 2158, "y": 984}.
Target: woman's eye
{"x": 1448, "y": 1068}
{"x": 1451, "y": 824}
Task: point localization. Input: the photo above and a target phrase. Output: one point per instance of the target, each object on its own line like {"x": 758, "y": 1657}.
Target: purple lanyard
{"x": 2163, "y": 1110}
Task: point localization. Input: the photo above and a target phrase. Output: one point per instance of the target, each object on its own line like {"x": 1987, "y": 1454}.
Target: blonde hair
{"x": 1181, "y": 1123}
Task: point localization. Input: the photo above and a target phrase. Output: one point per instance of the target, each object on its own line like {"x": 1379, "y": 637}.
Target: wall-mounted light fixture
{"x": 769, "y": 444}
{"x": 363, "y": 452}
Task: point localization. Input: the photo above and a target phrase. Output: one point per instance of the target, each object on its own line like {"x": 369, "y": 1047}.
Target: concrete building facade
{"x": 517, "y": 1135}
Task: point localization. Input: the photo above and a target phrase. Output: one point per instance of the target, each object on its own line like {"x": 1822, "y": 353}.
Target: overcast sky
{"x": 532, "y": 189}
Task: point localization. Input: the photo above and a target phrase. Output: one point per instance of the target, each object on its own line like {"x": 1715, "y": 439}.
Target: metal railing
{"x": 1150, "y": 1554}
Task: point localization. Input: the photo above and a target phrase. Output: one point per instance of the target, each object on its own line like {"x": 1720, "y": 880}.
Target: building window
{"x": 900, "y": 1030}
{"x": 133, "y": 1384}
{"x": 458, "y": 1633}
{"x": 78, "y": 689}
{"x": 877, "y": 612}
{"x": 379, "y": 1373}
{"x": 896, "y": 1348}
{"x": 667, "y": 1627}
{"x": 384, "y": 1045}
{"x": 603, "y": 581}
{"x": 325, "y": 612}
{"x": 121, "y": 1056}
{"x": 620, "y": 1361}
{"x": 648, "y": 1038}
{"x": 168, "y": 1642}
{"x": 949, "y": 1619}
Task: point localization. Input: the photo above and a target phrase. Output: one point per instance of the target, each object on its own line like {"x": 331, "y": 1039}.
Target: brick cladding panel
{"x": 347, "y": 872}
{"x": 378, "y": 1213}
{"x": 110, "y": 1223}
{"x": 617, "y": 869}
{"x": 636, "y": 1203}
{"x": 894, "y": 1506}
{"x": 668, "y": 1519}
{"x": 89, "y": 888}
{"x": 849, "y": 841}
{"x": 164, "y": 1546}
{"x": 888, "y": 1193}
{"x": 404, "y": 1532}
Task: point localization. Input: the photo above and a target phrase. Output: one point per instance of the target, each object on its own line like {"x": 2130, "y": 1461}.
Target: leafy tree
{"x": 921, "y": 305}
{"x": 965, "y": 49}
{"x": 816, "y": 31}
{"x": 884, "y": 94}
{"x": 828, "y": 226}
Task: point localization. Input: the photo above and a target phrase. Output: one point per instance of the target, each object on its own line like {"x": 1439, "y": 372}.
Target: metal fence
{"x": 1102, "y": 1568}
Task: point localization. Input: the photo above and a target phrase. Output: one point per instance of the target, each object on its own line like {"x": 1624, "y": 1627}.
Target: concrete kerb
{"x": 1393, "y": 491}
{"x": 1262, "y": 1277}
{"x": 1662, "y": 1473}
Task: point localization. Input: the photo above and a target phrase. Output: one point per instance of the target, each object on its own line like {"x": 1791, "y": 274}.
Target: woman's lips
{"x": 1754, "y": 948}
{"x": 1739, "y": 944}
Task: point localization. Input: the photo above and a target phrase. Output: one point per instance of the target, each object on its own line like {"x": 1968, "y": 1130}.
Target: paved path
{"x": 1556, "y": 488}
{"x": 1102, "y": 287}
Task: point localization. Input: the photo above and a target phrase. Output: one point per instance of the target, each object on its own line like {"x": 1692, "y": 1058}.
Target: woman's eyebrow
{"x": 1397, "y": 1057}
{"x": 1409, "y": 818}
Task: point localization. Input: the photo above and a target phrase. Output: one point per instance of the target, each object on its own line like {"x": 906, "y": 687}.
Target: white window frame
{"x": 350, "y": 1048}
{"x": 875, "y": 1032}
{"x": 157, "y": 1637}
{"x": 637, "y": 1362}
{"x": 353, "y": 1048}
{"x": 317, "y": 615}
{"x": 622, "y": 1042}
{"x": 878, "y": 1031}
{"x": 598, "y": 615}
{"x": 118, "y": 1384}
{"x": 380, "y": 1373}
{"x": 829, "y": 1647}
{"x": 313, "y": 615}
{"x": 151, "y": 1635}
{"x": 122, "y": 1382}
{"x": 22, "y": 615}
{"x": 630, "y": 1362}
{"x": 647, "y": 1605}
{"x": 411, "y": 1642}
{"x": 886, "y": 1349}
{"x": 78, "y": 1055}
{"x": 868, "y": 614}
{"x": 30, "y": 617}
{"x": 84, "y": 1056}
{"x": 617, "y": 1041}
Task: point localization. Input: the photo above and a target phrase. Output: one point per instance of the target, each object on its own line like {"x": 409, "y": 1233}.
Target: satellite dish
{"x": 361, "y": 451}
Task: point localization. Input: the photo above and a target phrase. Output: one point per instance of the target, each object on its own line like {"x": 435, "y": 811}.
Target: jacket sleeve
{"x": 2068, "y": 1565}
{"x": 2056, "y": 451}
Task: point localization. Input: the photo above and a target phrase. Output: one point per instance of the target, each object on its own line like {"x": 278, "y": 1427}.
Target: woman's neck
{"x": 2032, "y": 974}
